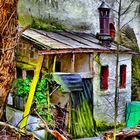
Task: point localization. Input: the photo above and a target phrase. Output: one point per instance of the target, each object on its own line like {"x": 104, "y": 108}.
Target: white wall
{"x": 104, "y": 100}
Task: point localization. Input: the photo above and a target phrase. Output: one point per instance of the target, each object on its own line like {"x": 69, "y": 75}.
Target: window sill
{"x": 104, "y": 92}
{"x": 122, "y": 90}
{"x": 107, "y": 92}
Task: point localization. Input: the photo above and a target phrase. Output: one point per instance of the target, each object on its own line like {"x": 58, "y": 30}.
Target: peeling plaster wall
{"x": 81, "y": 62}
{"x": 104, "y": 100}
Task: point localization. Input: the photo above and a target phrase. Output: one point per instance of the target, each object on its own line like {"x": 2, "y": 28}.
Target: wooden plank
{"x": 91, "y": 63}
{"x": 32, "y": 92}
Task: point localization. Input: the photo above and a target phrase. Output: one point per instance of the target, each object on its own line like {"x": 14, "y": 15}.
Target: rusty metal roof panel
{"x": 81, "y": 40}
{"x": 87, "y": 36}
{"x": 67, "y": 40}
{"x": 45, "y": 41}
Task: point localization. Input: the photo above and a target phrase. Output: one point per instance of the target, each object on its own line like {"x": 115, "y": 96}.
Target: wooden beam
{"x": 32, "y": 92}
{"x": 81, "y": 50}
{"x": 91, "y": 63}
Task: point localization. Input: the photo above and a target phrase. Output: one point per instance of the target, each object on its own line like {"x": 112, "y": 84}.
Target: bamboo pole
{"x": 69, "y": 114}
{"x": 32, "y": 92}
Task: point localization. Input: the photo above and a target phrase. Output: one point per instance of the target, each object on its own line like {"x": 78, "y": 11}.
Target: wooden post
{"x": 24, "y": 74}
{"x": 73, "y": 63}
{"x": 32, "y": 92}
{"x": 54, "y": 64}
{"x": 47, "y": 62}
{"x": 91, "y": 63}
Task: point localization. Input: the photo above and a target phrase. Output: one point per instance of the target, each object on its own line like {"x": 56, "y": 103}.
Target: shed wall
{"x": 104, "y": 99}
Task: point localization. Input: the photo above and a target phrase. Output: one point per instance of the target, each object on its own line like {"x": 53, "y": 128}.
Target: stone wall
{"x": 104, "y": 100}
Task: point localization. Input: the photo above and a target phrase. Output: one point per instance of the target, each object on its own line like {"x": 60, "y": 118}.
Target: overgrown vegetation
{"x": 48, "y": 24}
{"x": 103, "y": 126}
{"x": 128, "y": 39}
{"x": 22, "y": 87}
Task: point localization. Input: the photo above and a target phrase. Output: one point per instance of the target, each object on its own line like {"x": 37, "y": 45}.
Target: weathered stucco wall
{"x": 81, "y": 62}
{"x": 104, "y": 100}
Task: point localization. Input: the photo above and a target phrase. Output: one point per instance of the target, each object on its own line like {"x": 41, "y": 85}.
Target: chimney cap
{"x": 103, "y": 6}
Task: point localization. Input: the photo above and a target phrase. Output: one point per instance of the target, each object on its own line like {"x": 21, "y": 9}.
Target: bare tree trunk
{"x": 116, "y": 99}
{"x": 8, "y": 41}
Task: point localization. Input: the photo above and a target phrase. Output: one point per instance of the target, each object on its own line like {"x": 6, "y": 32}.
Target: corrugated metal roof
{"x": 44, "y": 41}
{"x": 69, "y": 82}
{"x": 67, "y": 40}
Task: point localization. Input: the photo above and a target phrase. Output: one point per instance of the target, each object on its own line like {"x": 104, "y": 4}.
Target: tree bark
{"x": 8, "y": 41}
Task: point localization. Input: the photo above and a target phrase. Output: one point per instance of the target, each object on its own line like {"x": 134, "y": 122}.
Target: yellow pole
{"x": 54, "y": 64}
{"x": 32, "y": 92}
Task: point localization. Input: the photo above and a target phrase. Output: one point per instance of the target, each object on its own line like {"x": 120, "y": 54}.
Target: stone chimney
{"x": 104, "y": 35}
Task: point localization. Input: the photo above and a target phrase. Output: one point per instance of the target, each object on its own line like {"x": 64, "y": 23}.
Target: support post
{"x": 54, "y": 64}
{"x": 32, "y": 92}
{"x": 91, "y": 63}
{"x": 73, "y": 63}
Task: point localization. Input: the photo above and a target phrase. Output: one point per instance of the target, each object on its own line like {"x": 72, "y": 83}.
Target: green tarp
{"x": 133, "y": 114}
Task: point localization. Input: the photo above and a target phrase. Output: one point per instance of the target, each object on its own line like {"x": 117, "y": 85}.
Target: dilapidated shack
{"x": 79, "y": 59}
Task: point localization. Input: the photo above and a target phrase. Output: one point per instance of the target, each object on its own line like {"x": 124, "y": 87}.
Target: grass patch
{"x": 48, "y": 24}
{"x": 105, "y": 126}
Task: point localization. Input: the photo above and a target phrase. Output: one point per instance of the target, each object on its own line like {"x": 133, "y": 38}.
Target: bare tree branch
{"x": 117, "y": 1}
{"x": 128, "y": 7}
{"x": 128, "y": 22}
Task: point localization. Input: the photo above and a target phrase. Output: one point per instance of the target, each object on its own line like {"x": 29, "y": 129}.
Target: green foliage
{"x": 48, "y": 24}
{"x": 22, "y": 87}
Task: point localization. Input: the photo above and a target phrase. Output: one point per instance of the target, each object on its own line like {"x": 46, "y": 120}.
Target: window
{"x": 30, "y": 74}
{"x": 58, "y": 66}
{"x": 104, "y": 78}
{"x": 122, "y": 76}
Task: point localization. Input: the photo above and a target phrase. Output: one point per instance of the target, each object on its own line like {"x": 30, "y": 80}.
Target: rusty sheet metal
{"x": 81, "y": 40}
{"x": 65, "y": 40}
{"x": 68, "y": 42}
{"x": 87, "y": 36}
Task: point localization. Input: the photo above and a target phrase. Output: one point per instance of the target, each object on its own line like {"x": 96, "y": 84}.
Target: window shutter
{"x": 123, "y": 76}
{"x": 104, "y": 77}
